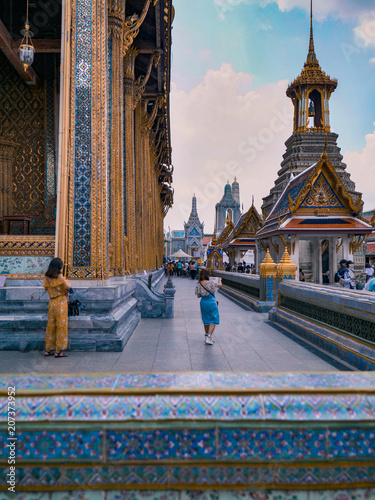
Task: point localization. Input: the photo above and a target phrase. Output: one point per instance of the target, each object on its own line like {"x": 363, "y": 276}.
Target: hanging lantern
{"x": 26, "y": 50}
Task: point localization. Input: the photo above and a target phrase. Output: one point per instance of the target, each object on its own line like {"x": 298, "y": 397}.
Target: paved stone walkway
{"x": 245, "y": 341}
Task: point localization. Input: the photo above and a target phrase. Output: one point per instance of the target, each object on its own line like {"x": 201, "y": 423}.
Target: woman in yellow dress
{"x": 57, "y": 326}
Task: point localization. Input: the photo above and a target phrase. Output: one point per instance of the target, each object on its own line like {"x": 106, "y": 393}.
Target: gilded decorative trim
{"x": 27, "y": 245}
{"x": 132, "y": 25}
{"x": 24, "y": 276}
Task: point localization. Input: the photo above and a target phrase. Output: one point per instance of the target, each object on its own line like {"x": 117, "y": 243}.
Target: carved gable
{"x": 321, "y": 195}
{"x": 324, "y": 193}
{"x": 250, "y": 224}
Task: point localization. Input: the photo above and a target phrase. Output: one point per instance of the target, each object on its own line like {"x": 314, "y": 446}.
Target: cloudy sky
{"x": 232, "y": 61}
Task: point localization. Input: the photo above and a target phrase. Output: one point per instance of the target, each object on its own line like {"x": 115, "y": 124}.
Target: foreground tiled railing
{"x": 340, "y": 321}
{"x": 190, "y": 431}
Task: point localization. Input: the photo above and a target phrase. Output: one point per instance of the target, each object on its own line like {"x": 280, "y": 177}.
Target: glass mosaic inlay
{"x": 82, "y": 195}
{"x": 50, "y": 139}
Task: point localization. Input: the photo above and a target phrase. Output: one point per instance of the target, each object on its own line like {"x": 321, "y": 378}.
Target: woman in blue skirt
{"x": 206, "y": 289}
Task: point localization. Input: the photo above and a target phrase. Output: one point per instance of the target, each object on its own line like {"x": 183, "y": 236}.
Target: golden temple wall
{"x": 22, "y": 121}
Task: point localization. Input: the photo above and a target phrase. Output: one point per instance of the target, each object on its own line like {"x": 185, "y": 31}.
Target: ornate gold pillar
{"x": 88, "y": 161}
{"x": 130, "y": 221}
{"x": 148, "y": 200}
{"x": 7, "y": 150}
{"x": 139, "y": 173}
{"x": 116, "y": 17}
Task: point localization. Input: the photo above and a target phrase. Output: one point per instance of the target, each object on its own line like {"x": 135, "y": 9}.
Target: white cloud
{"x": 223, "y": 128}
{"x": 361, "y": 166}
{"x": 340, "y": 9}
{"x": 364, "y": 33}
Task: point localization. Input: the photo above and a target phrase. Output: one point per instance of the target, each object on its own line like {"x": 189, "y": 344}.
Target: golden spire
{"x": 311, "y": 56}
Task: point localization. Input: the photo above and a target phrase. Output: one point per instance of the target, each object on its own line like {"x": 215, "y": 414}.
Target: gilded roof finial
{"x": 311, "y": 57}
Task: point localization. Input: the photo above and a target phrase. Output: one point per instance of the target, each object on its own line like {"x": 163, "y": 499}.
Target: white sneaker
{"x": 209, "y": 340}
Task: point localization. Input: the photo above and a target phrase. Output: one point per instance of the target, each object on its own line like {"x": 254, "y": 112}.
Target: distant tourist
{"x": 57, "y": 326}
{"x": 179, "y": 268}
{"x": 248, "y": 269}
{"x": 170, "y": 269}
{"x": 352, "y": 276}
{"x": 301, "y": 275}
{"x": 240, "y": 268}
{"x": 205, "y": 290}
{"x": 370, "y": 285}
{"x": 346, "y": 276}
{"x": 369, "y": 272}
{"x": 192, "y": 270}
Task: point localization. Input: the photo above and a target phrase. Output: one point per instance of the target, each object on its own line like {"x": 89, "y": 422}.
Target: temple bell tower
{"x": 310, "y": 93}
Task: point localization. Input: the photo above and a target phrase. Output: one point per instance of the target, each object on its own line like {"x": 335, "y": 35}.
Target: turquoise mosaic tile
{"x": 192, "y": 381}
{"x": 221, "y": 475}
{"x": 153, "y": 475}
{"x": 78, "y": 495}
{"x": 272, "y": 444}
{"x": 38, "y": 475}
{"x": 24, "y": 496}
{"x": 318, "y": 407}
{"x": 57, "y": 445}
{"x": 82, "y": 140}
{"x": 226, "y": 408}
{"x": 352, "y": 443}
{"x": 211, "y": 494}
{"x": 162, "y": 444}
{"x": 143, "y": 495}
{"x": 327, "y": 475}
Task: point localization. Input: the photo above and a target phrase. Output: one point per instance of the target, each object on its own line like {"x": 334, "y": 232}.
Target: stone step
{"x": 85, "y": 333}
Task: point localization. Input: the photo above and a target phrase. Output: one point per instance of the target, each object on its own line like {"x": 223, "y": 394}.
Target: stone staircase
{"x": 110, "y": 315}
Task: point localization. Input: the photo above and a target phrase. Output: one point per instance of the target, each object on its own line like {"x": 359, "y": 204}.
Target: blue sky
{"x": 261, "y": 46}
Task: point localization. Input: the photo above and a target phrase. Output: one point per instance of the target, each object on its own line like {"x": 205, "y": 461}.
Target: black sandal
{"x": 48, "y": 353}
{"x": 60, "y": 355}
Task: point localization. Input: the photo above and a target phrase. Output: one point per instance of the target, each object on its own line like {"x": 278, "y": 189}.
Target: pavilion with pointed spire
{"x": 237, "y": 239}
{"x": 310, "y": 93}
{"x": 313, "y": 208}
{"x": 194, "y": 231}
{"x": 316, "y": 212}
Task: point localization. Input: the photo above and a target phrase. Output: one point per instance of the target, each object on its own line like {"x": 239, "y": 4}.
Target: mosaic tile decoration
{"x": 194, "y": 476}
{"x": 195, "y": 382}
{"x": 243, "y": 494}
{"x": 193, "y": 396}
{"x": 24, "y": 265}
{"x": 50, "y": 140}
{"x": 145, "y": 436}
{"x": 211, "y": 443}
{"x": 82, "y": 174}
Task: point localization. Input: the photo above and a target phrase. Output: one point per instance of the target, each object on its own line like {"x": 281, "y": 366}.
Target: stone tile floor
{"x": 244, "y": 341}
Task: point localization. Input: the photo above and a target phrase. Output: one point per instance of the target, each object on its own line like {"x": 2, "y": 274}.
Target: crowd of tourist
{"x": 241, "y": 267}
{"x": 181, "y": 269}
{"x": 347, "y": 278}
{"x": 190, "y": 269}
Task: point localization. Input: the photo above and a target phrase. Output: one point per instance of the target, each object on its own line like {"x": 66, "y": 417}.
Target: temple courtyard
{"x": 245, "y": 341}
